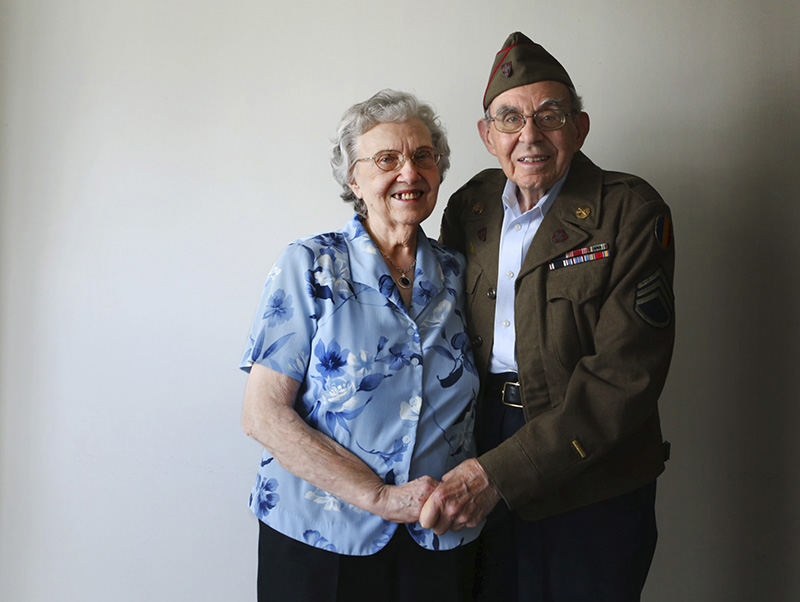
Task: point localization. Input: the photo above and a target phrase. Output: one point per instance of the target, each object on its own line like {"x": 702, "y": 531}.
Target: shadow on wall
{"x": 757, "y": 366}
{"x": 732, "y": 406}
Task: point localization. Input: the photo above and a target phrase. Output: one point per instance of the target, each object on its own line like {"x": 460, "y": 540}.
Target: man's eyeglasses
{"x": 390, "y": 160}
{"x": 546, "y": 120}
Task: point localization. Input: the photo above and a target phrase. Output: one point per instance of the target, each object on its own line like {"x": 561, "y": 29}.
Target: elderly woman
{"x": 362, "y": 384}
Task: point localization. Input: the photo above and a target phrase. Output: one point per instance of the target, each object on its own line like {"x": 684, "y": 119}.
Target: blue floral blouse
{"x": 395, "y": 386}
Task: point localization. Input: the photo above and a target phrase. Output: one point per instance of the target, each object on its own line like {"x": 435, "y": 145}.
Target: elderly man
{"x": 570, "y": 311}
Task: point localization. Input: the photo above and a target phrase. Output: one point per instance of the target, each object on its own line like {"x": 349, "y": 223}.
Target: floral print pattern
{"x": 264, "y": 497}
{"x": 279, "y": 308}
{"x": 395, "y": 385}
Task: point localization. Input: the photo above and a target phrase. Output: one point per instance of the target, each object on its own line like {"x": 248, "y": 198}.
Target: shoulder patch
{"x": 663, "y": 231}
{"x": 654, "y": 302}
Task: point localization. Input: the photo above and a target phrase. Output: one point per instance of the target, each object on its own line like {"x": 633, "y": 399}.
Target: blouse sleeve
{"x": 285, "y": 320}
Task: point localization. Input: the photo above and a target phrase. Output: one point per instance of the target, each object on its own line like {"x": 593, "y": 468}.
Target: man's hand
{"x": 463, "y": 499}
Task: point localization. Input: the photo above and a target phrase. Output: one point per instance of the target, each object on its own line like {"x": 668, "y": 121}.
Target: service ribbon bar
{"x": 585, "y": 251}
{"x": 591, "y": 256}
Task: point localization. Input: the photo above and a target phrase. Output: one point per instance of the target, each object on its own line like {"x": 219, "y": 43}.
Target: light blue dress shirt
{"x": 395, "y": 386}
{"x": 515, "y": 239}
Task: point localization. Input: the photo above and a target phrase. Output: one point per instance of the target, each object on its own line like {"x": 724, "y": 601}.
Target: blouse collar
{"x": 368, "y": 268}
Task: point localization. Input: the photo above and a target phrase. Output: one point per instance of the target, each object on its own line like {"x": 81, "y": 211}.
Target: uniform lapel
{"x": 483, "y": 222}
{"x": 574, "y": 214}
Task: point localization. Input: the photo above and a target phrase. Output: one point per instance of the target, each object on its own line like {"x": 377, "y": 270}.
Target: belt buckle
{"x": 503, "y": 395}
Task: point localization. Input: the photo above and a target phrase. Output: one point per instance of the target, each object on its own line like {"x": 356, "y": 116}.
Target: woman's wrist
{"x": 379, "y": 501}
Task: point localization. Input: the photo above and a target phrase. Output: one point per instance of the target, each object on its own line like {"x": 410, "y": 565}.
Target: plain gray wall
{"x": 155, "y": 156}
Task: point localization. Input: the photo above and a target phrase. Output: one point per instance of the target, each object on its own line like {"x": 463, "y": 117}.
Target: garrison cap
{"x": 521, "y": 61}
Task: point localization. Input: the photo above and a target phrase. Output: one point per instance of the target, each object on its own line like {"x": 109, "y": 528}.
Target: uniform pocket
{"x": 574, "y": 297}
{"x": 577, "y": 283}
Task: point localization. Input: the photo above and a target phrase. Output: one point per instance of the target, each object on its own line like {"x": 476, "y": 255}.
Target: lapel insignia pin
{"x": 559, "y": 236}
{"x": 477, "y": 208}
{"x": 482, "y": 234}
{"x": 583, "y": 212}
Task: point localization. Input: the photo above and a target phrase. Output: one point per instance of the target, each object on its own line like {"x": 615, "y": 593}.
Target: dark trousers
{"x": 292, "y": 571}
{"x": 598, "y": 553}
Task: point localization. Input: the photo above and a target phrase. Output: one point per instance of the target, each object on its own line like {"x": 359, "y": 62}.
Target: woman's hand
{"x": 402, "y": 503}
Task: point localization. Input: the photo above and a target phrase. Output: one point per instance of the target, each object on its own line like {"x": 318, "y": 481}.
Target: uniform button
{"x": 510, "y": 274}
{"x": 491, "y": 293}
{"x": 477, "y": 341}
{"x": 506, "y": 323}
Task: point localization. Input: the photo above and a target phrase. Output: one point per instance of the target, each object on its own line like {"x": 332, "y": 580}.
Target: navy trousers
{"x": 598, "y": 553}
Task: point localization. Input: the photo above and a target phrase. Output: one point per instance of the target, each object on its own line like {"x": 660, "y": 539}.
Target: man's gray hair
{"x": 387, "y": 106}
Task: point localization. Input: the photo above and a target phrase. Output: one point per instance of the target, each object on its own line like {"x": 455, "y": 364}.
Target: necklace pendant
{"x": 404, "y": 281}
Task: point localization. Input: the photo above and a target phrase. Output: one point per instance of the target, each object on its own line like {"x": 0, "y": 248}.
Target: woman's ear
{"x": 355, "y": 188}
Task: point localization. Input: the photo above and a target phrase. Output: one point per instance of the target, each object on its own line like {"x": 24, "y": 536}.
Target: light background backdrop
{"x": 155, "y": 157}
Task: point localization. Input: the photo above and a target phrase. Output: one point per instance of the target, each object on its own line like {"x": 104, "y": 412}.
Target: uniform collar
{"x": 511, "y": 201}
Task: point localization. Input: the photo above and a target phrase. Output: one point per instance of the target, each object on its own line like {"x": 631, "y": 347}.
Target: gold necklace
{"x": 403, "y": 281}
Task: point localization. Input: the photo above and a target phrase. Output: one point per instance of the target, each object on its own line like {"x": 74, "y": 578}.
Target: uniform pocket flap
{"x": 578, "y": 282}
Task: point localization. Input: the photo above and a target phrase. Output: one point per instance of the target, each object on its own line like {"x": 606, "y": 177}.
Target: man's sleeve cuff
{"x": 512, "y": 472}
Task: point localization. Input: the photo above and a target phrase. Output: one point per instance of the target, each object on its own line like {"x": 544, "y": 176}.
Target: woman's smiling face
{"x": 405, "y": 196}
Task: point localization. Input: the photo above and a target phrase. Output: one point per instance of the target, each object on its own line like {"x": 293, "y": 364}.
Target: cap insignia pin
{"x": 506, "y": 69}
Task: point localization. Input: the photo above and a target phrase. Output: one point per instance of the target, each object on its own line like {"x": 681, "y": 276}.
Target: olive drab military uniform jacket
{"x": 594, "y": 335}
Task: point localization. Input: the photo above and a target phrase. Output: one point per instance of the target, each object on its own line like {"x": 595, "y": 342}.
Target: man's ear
{"x": 582, "y": 126}
{"x": 484, "y": 130}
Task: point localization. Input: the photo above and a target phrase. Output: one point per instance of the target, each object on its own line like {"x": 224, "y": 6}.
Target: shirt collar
{"x": 511, "y": 203}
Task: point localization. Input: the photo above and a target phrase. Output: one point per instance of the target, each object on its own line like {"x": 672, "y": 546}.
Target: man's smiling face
{"x": 531, "y": 158}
